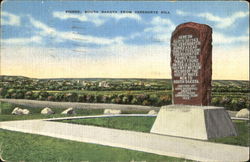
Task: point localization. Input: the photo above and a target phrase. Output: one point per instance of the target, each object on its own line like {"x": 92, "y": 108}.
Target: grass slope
{"x": 6, "y": 109}
{"x": 140, "y": 124}
{"x": 31, "y": 148}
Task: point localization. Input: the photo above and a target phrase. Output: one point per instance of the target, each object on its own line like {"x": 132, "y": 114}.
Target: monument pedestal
{"x": 197, "y": 122}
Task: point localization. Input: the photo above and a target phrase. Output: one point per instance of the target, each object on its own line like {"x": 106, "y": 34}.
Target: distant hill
{"x": 14, "y": 78}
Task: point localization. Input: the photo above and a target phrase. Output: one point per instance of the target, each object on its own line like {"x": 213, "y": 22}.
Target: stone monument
{"x": 191, "y": 63}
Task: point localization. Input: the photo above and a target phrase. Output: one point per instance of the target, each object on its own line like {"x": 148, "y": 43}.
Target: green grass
{"x": 140, "y": 124}
{"x": 35, "y": 113}
{"x": 144, "y": 124}
{"x": 243, "y": 135}
{"x": 19, "y": 147}
{"x": 7, "y": 108}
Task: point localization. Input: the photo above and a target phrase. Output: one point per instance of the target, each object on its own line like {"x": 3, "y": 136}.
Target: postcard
{"x": 130, "y": 81}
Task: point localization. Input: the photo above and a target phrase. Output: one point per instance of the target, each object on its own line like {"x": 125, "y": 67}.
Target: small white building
{"x": 103, "y": 84}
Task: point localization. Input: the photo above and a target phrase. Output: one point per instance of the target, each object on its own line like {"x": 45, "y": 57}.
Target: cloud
{"x": 72, "y": 36}
{"x": 22, "y": 41}
{"x": 219, "y": 38}
{"x": 226, "y": 21}
{"x": 59, "y": 36}
{"x": 9, "y": 19}
{"x": 182, "y": 13}
{"x": 160, "y": 28}
{"x": 221, "y": 22}
{"x": 96, "y": 18}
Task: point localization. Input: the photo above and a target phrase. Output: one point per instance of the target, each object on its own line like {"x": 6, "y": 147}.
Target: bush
{"x": 154, "y": 100}
{"x": 51, "y": 98}
{"x": 141, "y": 98}
{"x": 59, "y": 97}
{"x": 125, "y": 100}
{"x": 81, "y": 98}
{"x": 70, "y": 97}
{"x": 90, "y": 98}
{"x": 105, "y": 99}
{"x": 134, "y": 101}
{"x": 165, "y": 100}
{"x": 28, "y": 95}
{"x": 98, "y": 98}
{"x": 225, "y": 101}
{"x": 146, "y": 103}
{"x": 237, "y": 104}
{"x": 3, "y": 92}
{"x": 215, "y": 101}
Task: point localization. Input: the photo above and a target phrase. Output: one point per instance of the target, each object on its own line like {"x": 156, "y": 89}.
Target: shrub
{"x": 51, "y": 98}
{"x": 118, "y": 100}
{"x": 141, "y": 98}
{"x": 225, "y": 101}
{"x": 28, "y": 95}
{"x": 165, "y": 100}
{"x": 154, "y": 100}
{"x": 35, "y": 95}
{"x": 146, "y": 103}
{"x": 3, "y": 92}
{"x": 215, "y": 101}
{"x": 81, "y": 98}
{"x": 59, "y": 97}
{"x": 105, "y": 99}
{"x": 98, "y": 98}
{"x": 125, "y": 100}
{"x": 90, "y": 98}
{"x": 134, "y": 101}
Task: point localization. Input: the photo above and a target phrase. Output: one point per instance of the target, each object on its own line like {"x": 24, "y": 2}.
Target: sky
{"x": 45, "y": 39}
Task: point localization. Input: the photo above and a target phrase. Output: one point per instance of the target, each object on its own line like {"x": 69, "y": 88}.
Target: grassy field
{"x": 144, "y": 124}
{"x": 35, "y": 112}
{"x": 6, "y": 109}
{"x": 140, "y": 124}
{"x": 20, "y": 147}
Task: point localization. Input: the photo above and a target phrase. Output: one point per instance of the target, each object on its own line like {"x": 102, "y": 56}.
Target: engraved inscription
{"x": 186, "y": 66}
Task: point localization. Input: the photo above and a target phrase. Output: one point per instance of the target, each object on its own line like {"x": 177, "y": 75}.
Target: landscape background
{"x": 231, "y": 94}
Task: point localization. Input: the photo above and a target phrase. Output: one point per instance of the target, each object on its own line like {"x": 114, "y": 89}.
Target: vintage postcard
{"x": 135, "y": 81}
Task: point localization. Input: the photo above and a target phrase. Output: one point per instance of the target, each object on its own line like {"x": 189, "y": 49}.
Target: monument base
{"x": 197, "y": 122}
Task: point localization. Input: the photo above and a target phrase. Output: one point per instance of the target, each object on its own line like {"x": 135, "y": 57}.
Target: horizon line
{"x": 104, "y": 78}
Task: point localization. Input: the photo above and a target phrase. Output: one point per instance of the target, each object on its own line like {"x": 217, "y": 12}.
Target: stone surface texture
{"x": 69, "y": 111}
{"x": 47, "y": 111}
{"x": 197, "y": 122}
{"x": 25, "y": 111}
{"x": 191, "y": 64}
{"x": 153, "y": 112}
{"x": 243, "y": 113}
{"x": 112, "y": 111}
{"x": 19, "y": 111}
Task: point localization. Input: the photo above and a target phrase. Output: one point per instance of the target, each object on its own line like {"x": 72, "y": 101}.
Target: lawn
{"x": 140, "y": 124}
{"x": 7, "y": 108}
{"x": 16, "y": 146}
{"x": 35, "y": 113}
{"x": 144, "y": 124}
